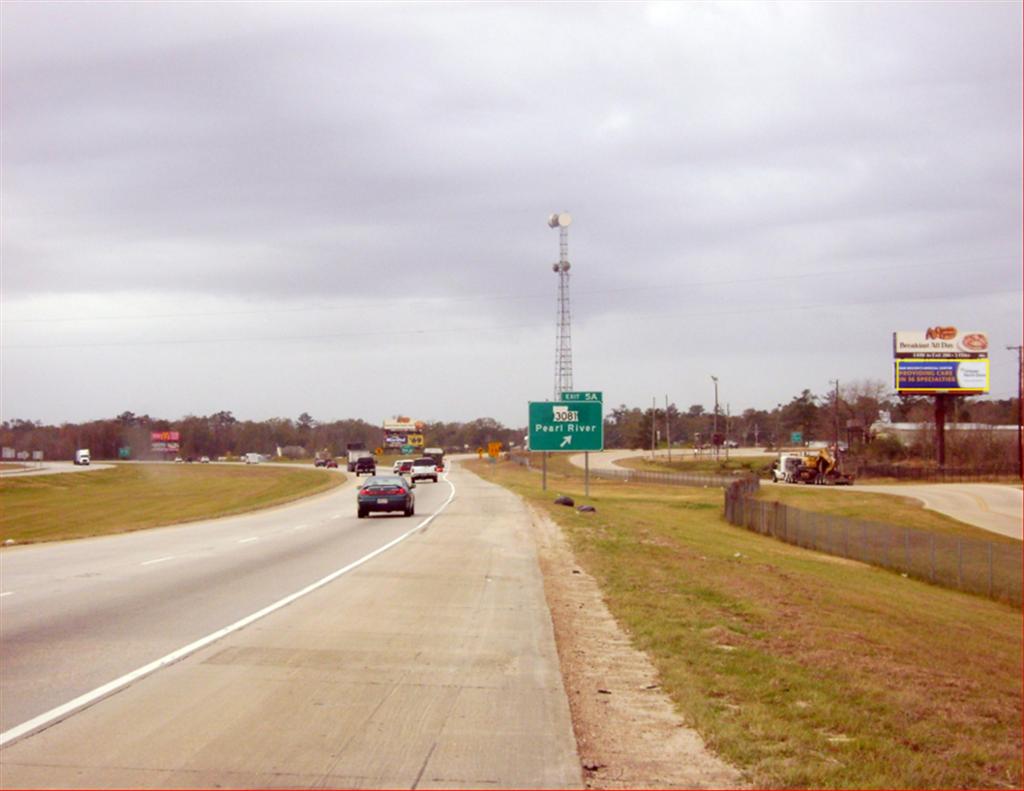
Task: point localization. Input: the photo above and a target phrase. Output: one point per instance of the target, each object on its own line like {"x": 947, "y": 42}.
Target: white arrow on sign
{"x": 566, "y": 441}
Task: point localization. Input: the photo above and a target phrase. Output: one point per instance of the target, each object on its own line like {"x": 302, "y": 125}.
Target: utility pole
{"x": 668, "y": 432}
{"x": 728, "y": 425}
{"x": 654, "y": 423}
{"x": 835, "y": 410}
{"x": 714, "y": 430}
{"x": 1020, "y": 407}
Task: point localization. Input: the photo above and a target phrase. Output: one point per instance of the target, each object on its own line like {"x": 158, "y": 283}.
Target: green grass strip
{"x": 137, "y": 496}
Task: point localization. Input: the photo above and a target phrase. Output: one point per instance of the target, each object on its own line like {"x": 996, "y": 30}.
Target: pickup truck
{"x": 365, "y": 465}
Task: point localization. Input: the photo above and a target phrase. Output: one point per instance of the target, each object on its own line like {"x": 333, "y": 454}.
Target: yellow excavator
{"x": 821, "y": 468}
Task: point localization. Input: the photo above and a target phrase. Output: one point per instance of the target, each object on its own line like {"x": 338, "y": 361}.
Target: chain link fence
{"x": 989, "y": 568}
{"x": 986, "y": 567}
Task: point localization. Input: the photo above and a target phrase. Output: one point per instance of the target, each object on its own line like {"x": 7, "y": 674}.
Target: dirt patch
{"x": 627, "y": 732}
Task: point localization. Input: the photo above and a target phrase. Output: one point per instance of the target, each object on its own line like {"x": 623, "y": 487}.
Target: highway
{"x": 52, "y": 468}
{"x": 453, "y": 608}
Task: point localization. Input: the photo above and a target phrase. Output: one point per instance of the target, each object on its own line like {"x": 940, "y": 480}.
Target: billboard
{"x": 940, "y": 343}
{"x": 942, "y": 376}
{"x": 942, "y": 359}
{"x": 164, "y": 441}
{"x": 403, "y": 431}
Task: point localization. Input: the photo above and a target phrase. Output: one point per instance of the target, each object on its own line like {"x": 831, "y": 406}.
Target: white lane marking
{"x": 157, "y": 560}
{"x": 6, "y": 593}
{"x": 61, "y": 712}
{"x": 248, "y": 540}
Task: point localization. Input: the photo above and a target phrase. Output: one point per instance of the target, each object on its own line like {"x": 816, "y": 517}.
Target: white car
{"x": 204, "y": 459}
{"x": 423, "y": 469}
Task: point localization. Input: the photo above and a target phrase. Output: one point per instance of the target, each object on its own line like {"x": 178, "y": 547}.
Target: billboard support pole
{"x": 940, "y": 428}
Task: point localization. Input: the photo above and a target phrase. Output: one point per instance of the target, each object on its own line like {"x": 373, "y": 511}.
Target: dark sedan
{"x": 385, "y": 493}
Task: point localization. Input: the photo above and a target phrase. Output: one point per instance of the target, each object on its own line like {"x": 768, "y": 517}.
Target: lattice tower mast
{"x": 563, "y": 339}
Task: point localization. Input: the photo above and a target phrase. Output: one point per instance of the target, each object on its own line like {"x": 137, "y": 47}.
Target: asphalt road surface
{"x": 51, "y": 468}
{"x": 431, "y": 663}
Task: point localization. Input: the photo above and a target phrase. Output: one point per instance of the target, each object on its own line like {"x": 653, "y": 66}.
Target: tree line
{"x": 222, "y": 434}
{"x": 815, "y": 417}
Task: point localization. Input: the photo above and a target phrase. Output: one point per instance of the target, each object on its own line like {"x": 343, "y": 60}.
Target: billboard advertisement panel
{"x": 403, "y": 431}
{"x": 165, "y": 436}
{"x": 942, "y": 376}
{"x": 940, "y": 343}
{"x": 941, "y": 359}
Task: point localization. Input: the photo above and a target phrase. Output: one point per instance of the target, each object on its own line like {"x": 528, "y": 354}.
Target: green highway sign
{"x": 582, "y": 395}
{"x": 566, "y": 426}
{"x": 796, "y": 437}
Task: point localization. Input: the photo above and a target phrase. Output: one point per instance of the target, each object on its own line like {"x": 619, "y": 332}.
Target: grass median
{"x": 803, "y": 669}
{"x": 136, "y": 496}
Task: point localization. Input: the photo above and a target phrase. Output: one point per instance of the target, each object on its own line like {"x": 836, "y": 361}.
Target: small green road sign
{"x": 407, "y": 450}
{"x": 570, "y": 427}
{"x": 582, "y": 395}
{"x": 796, "y": 437}
{"x": 124, "y": 452}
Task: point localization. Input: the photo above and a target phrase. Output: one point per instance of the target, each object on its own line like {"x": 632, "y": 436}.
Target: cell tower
{"x": 563, "y": 341}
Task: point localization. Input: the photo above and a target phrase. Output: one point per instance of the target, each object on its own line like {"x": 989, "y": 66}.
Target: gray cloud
{"x": 393, "y": 164}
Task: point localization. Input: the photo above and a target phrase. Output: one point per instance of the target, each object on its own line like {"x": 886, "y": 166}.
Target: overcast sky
{"x": 273, "y": 208}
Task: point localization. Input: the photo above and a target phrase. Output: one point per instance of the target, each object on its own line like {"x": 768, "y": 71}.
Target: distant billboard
{"x": 942, "y": 359}
{"x": 403, "y": 431}
{"x": 164, "y": 441}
